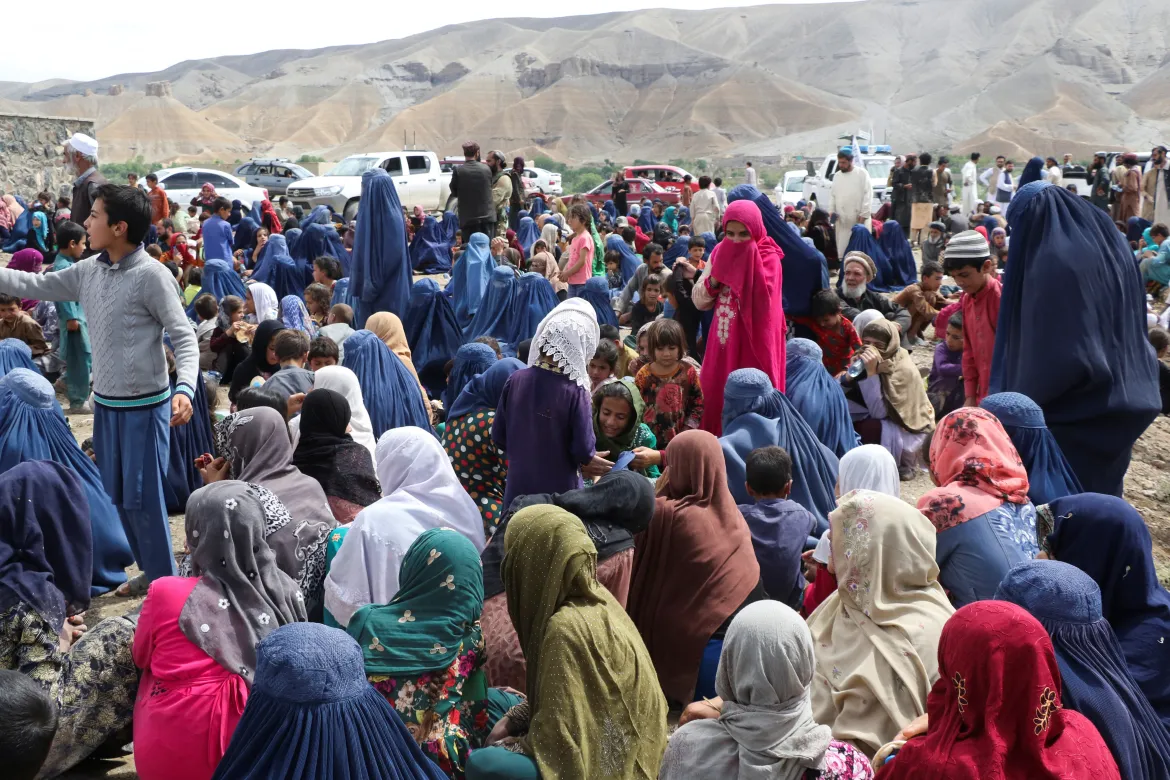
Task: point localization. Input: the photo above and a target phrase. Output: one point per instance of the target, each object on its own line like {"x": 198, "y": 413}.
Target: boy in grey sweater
{"x": 129, "y": 298}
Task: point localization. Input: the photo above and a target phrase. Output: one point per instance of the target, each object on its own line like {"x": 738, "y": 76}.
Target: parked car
{"x": 183, "y": 184}
{"x": 542, "y": 181}
{"x": 639, "y": 190}
{"x": 417, "y": 177}
{"x": 669, "y": 177}
{"x": 274, "y": 175}
{"x": 791, "y": 189}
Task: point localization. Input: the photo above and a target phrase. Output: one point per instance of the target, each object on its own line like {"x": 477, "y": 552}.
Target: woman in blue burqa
{"x": 818, "y": 397}
{"x": 470, "y": 278}
{"x": 391, "y": 393}
{"x": 33, "y": 427}
{"x": 432, "y": 333}
{"x": 380, "y": 274}
{"x": 315, "y": 241}
{"x": 1072, "y": 332}
{"x": 497, "y": 309}
{"x": 279, "y": 270}
{"x": 430, "y": 249}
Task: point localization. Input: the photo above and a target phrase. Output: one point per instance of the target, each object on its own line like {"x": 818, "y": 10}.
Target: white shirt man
{"x": 1055, "y": 175}
{"x": 970, "y": 187}
{"x": 749, "y": 176}
{"x": 851, "y": 199}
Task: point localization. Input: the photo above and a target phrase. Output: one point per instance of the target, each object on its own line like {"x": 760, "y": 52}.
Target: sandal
{"x": 135, "y": 588}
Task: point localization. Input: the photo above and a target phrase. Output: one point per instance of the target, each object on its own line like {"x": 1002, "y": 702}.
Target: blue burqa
{"x": 1033, "y": 171}
{"x": 534, "y": 300}
{"x": 391, "y": 394}
{"x": 1093, "y": 676}
{"x": 1072, "y": 332}
{"x": 684, "y": 216}
{"x": 470, "y": 278}
{"x": 188, "y": 442}
{"x": 861, "y": 240}
{"x": 893, "y": 242}
{"x": 494, "y": 317}
{"x": 610, "y": 211}
{"x": 1049, "y": 475}
{"x": 677, "y": 250}
{"x": 33, "y": 427}
{"x": 294, "y": 315}
{"x": 757, "y": 415}
{"x": 15, "y": 353}
{"x": 220, "y": 279}
{"x": 313, "y": 715}
{"x": 1107, "y": 539}
{"x": 380, "y": 276}
{"x": 630, "y": 261}
{"x": 433, "y": 334}
{"x": 318, "y": 240}
{"x": 318, "y": 216}
{"x": 527, "y": 234}
{"x": 430, "y": 249}
{"x": 484, "y": 391}
{"x": 450, "y": 227}
{"x": 293, "y": 237}
{"x": 805, "y": 273}
{"x": 596, "y": 293}
{"x": 538, "y": 207}
{"x": 646, "y": 219}
{"x": 818, "y": 397}
{"x": 471, "y": 360}
{"x": 279, "y": 270}
{"x": 245, "y": 237}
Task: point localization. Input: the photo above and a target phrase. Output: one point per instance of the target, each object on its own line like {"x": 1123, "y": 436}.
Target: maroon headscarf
{"x": 32, "y": 261}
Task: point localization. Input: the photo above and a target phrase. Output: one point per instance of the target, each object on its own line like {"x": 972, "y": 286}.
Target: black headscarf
{"x": 257, "y": 362}
{"x": 329, "y": 455}
{"x": 620, "y": 505}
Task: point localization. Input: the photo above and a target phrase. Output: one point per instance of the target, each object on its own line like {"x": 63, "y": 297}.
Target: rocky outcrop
{"x": 30, "y": 152}
{"x": 158, "y": 89}
{"x": 115, "y": 90}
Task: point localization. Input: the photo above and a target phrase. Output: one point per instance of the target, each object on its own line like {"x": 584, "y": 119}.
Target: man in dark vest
{"x": 81, "y": 161}
{"x": 471, "y": 183}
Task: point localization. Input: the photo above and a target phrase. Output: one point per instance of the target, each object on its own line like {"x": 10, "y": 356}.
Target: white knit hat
{"x": 968, "y": 245}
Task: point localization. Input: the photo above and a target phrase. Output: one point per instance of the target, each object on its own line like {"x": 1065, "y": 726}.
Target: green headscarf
{"x": 670, "y": 217}
{"x": 597, "y": 709}
{"x": 435, "y": 614}
{"x": 598, "y": 251}
{"x": 625, "y": 441}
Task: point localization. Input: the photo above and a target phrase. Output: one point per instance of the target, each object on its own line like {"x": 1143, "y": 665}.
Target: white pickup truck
{"x": 877, "y": 161}
{"x": 417, "y": 177}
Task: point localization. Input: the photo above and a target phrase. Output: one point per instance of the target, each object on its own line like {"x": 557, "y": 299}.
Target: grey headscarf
{"x": 766, "y": 729}
{"x": 242, "y": 594}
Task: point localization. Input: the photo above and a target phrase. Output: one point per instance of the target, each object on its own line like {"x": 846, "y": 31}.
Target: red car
{"x": 640, "y": 189}
{"x": 669, "y": 177}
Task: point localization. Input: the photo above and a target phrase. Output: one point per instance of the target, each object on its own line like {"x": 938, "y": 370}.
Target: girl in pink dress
{"x": 747, "y": 331}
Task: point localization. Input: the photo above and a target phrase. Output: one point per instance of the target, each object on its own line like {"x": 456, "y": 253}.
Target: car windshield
{"x": 795, "y": 184}
{"x": 353, "y": 166}
{"x": 879, "y": 170}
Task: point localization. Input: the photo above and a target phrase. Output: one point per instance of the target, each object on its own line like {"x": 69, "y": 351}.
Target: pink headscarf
{"x": 29, "y": 260}
{"x": 9, "y": 211}
{"x": 747, "y": 330}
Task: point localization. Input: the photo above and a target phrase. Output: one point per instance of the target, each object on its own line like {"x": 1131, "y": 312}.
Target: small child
{"x": 317, "y": 301}
{"x": 30, "y": 724}
{"x": 923, "y": 300}
{"x": 327, "y": 271}
{"x": 323, "y": 352}
{"x": 229, "y": 351}
{"x": 669, "y": 386}
{"x": 613, "y": 270}
{"x": 155, "y": 251}
{"x": 834, "y": 333}
{"x": 207, "y": 310}
{"x": 969, "y": 262}
{"x": 780, "y": 527}
{"x": 579, "y": 266}
{"x": 75, "y": 349}
{"x": 603, "y": 363}
{"x": 625, "y": 355}
{"x": 15, "y": 323}
{"x": 642, "y": 343}
{"x": 1160, "y": 341}
{"x": 945, "y": 386}
{"x": 217, "y": 232}
{"x": 194, "y": 285}
{"x": 292, "y": 351}
{"x": 649, "y": 305}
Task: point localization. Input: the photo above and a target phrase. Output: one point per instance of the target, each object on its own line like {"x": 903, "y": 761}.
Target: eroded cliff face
{"x": 1066, "y": 75}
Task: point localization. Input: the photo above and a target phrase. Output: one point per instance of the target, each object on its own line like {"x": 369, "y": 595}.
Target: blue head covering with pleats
{"x": 596, "y": 293}
{"x": 432, "y": 333}
{"x": 538, "y": 207}
{"x": 646, "y": 219}
{"x": 804, "y": 271}
{"x": 630, "y": 261}
{"x": 484, "y": 391}
{"x": 678, "y": 249}
{"x": 313, "y": 715}
{"x": 1033, "y": 171}
{"x": 527, "y": 234}
{"x": 533, "y": 301}
{"x": 1075, "y": 306}
{"x": 450, "y": 227}
{"x": 818, "y": 397}
{"x": 1094, "y": 678}
{"x": 33, "y": 427}
{"x": 187, "y": 442}
{"x": 471, "y": 360}
{"x": 315, "y": 241}
{"x": 1049, "y": 475}
{"x": 430, "y": 249}
{"x": 610, "y": 209}
{"x": 294, "y": 315}
{"x": 390, "y": 392}
{"x": 318, "y": 216}
{"x": 380, "y": 272}
{"x": 756, "y": 415}
{"x": 861, "y": 240}
{"x": 893, "y": 242}
{"x": 220, "y": 279}
{"x": 497, "y": 309}
{"x": 15, "y": 353}
{"x": 245, "y": 237}
{"x": 279, "y": 270}
{"x": 470, "y": 278}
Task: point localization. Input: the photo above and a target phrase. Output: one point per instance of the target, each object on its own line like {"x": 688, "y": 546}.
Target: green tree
{"x": 310, "y": 158}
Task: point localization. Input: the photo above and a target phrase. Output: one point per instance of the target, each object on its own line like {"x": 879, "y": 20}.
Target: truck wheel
{"x": 351, "y": 210}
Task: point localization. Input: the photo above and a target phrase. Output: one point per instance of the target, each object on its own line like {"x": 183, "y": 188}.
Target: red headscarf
{"x": 982, "y": 231}
{"x": 180, "y": 253}
{"x": 693, "y": 566}
{"x": 995, "y": 711}
{"x": 977, "y": 466}
{"x": 513, "y": 242}
{"x": 268, "y": 210}
{"x": 207, "y": 193}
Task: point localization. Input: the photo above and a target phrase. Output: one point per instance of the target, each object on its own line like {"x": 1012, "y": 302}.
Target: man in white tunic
{"x": 704, "y": 208}
{"x": 971, "y": 185}
{"x": 851, "y": 199}
{"x": 1156, "y": 188}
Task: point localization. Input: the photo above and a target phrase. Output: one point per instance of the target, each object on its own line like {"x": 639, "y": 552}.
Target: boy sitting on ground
{"x": 923, "y": 300}
{"x": 207, "y": 310}
{"x": 15, "y": 323}
{"x": 292, "y": 350}
{"x": 323, "y": 352}
{"x": 945, "y": 386}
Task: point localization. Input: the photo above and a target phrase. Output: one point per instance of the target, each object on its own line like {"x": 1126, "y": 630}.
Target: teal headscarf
{"x": 670, "y": 217}
{"x": 435, "y": 614}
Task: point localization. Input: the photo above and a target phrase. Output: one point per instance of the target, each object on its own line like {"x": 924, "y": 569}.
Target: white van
{"x": 878, "y": 161}
{"x": 416, "y": 175}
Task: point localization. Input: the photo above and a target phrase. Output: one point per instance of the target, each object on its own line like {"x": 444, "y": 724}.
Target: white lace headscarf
{"x": 568, "y": 335}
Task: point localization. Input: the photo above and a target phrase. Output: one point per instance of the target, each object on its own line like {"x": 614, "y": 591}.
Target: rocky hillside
{"x": 1012, "y": 76}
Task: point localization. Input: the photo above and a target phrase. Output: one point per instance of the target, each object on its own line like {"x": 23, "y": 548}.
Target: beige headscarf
{"x": 876, "y": 638}
{"x": 10, "y": 211}
{"x": 386, "y": 326}
{"x": 902, "y": 387}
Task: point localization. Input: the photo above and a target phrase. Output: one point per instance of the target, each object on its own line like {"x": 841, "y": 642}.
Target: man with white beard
{"x": 858, "y": 270}
{"x": 81, "y": 161}
{"x": 852, "y": 197}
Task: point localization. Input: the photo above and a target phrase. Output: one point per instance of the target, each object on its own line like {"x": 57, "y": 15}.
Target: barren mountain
{"x": 1018, "y": 77}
